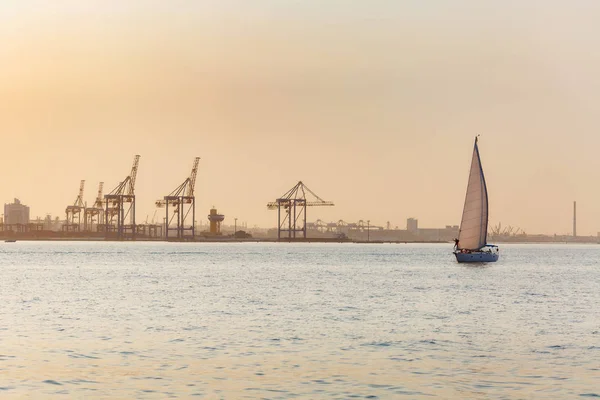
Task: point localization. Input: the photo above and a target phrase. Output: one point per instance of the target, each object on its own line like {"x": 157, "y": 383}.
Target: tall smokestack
{"x": 574, "y": 219}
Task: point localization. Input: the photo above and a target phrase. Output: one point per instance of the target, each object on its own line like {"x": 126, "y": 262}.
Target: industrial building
{"x": 16, "y": 213}
{"x": 412, "y": 225}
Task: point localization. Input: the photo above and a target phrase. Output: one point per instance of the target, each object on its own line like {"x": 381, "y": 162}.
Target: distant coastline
{"x": 229, "y": 239}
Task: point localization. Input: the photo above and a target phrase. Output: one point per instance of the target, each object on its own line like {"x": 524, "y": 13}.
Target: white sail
{"x": 473, "y": 226}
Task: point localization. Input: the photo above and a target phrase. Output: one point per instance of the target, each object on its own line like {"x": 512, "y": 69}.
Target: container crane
{"x": 294, "y": 203}
{"x": 95, "y": 214}
{"x": 73, "y": 212}
{"x": 179, "y": 204}
{"x": 119, "y": 211}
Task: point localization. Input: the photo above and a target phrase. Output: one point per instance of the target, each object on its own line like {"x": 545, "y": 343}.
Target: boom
{"x": 99, "y": 200}
{"x": 133, "y": 175}
{"x": 79, "y": 199}
{"x": 192, "y": 178}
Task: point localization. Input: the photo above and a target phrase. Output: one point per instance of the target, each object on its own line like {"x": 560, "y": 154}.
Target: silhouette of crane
{"x": 119, "y": 212}
{"x": 153, "y": 218}
{"x": 95, "y": 213}
{"x": 73, "y": 212}
{"x": 294, "y": 203}
{"x": 182, "y": 201}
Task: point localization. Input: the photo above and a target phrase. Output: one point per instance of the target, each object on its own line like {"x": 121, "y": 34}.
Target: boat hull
{"x": 476, "y": 257}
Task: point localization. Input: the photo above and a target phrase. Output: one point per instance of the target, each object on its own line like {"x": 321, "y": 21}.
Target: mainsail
{"x": 473, "y": 226}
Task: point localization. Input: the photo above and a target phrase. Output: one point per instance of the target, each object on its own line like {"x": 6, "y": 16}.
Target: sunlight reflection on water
{"x": 158, "y": 320}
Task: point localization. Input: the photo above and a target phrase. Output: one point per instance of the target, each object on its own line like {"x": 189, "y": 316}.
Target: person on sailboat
{"x": 455, "y": 244}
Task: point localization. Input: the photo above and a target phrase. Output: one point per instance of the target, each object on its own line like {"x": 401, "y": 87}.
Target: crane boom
{"x": 192, "y": 178}
{"x": 274, "y": 204}
{"x": 79, "y": 199}
{"x": 133, "y": 175}
{"x": 297, "y": 195}
{"x": 99, "y": 202}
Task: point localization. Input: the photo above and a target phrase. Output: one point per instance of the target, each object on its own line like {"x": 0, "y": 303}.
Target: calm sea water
{"x": 279, "y": 321}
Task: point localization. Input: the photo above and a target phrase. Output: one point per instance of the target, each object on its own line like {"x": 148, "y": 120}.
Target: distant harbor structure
{"x": 215, "y": 221}
{"x": 16, "y": 213}
{"x": 292, "y": 221}
{"x": 364, "y": 231}
{"x": 412, "y": 225}
{"x": 112, "y": 217}
{"x": 574, "y": 219}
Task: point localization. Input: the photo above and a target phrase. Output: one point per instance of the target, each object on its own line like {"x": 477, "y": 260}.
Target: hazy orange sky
{"x": 373, "y": 104}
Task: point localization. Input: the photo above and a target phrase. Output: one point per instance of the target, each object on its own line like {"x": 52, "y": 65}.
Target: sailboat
{"x": 471, "y": 245}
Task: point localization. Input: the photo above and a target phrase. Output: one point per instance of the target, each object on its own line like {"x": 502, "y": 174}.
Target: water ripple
{"x": 162, "y": 320}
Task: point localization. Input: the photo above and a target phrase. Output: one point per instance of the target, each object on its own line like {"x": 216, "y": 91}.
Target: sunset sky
{"x": 373, "y": 104}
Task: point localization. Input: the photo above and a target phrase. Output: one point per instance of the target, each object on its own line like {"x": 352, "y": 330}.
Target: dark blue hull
{"x": 476, "y": 256}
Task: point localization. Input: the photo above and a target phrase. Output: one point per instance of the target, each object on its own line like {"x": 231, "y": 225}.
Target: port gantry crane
{"x": 294, "y": 203}
{"x": 182, "y": 201}
{"x": 94, "y": 214}
{"x": 119, "y": 211}
{"x": 73, "y": 222}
